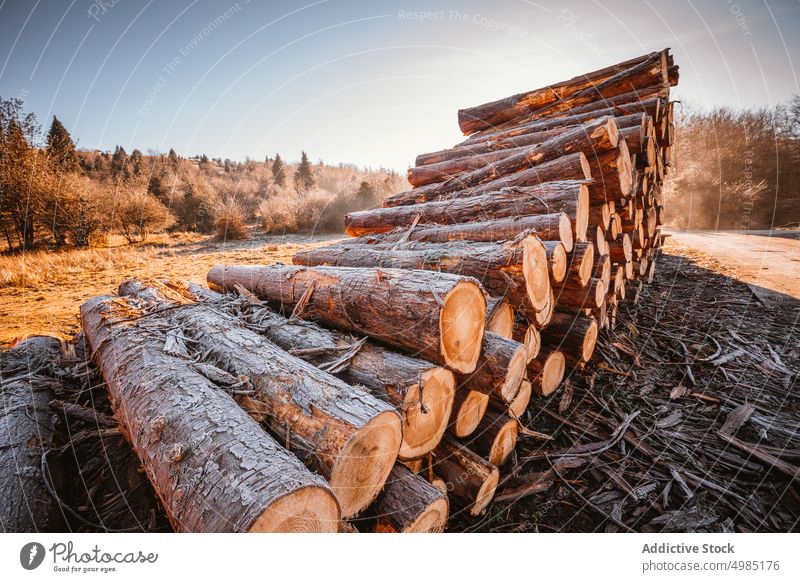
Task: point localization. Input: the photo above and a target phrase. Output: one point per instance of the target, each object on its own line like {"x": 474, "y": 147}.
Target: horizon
{"x": 241, "y": 80}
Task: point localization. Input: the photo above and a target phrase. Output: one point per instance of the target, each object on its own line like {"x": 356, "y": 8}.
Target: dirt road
{"x": 760, "y": 258}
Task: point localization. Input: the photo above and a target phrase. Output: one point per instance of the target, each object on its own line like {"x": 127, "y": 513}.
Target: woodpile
{"x": 381, "y": 380}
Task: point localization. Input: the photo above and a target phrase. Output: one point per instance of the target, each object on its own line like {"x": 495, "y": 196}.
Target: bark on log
{"x": 519, "y": 405}
{"x": 599, "y": 215}
{"x": 556, "y": 261}
{"x": 500, "y": 317}
{"x": 580, "y": 264}
{"x": 572, "y": 297}
{"x": 541, "y": 318}
{"x": 564, "y": 96}
{"x": 612, "y": 175}
{"x": 342, "y": 432}
{"x": 212, "y": 466}
{"x": 439, "y": 316}
{"x": 468, "y": 409}
{"x": 567, "y": 196}
{"x": 621, "y": 250}
{"x": 495, "y": 437}
{"x": 598, "y": 136}
{"x": 546, "y": 371}
{"x": 529, "y": 336}
{"x": 572, "y": 166}
{"x": 470, "y": 479}
{"x": 409, "y": 504}
{"x": 500, "y": 368}
{"x": 422, "y": 392}
{"x": 553, "y": 227}
{"x": 516, "y": 271}
{"x": 27, "y": 427}
{"x": 574, "y": 335}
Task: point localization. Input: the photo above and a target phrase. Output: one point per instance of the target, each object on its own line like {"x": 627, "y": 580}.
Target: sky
{"x": 370, "y": 83}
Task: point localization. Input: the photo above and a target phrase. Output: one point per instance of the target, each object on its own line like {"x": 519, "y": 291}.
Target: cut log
{"x": 422, "y": 392}
{"x": 599, "y": 215}
{"x": 529, "y": 336}
{"x": 569, "y": 196}
{"x": 344, "y": 433}
{"x": 542, "y": 318}
{"x": 27, "y": 426}
{"x": 439, "y": 316}
{"x": 572, "y": 297}
{"x": 500, "y": 368}
{"x": 547, "y": 227}
{"x": 516, "y": 270}
{"x": 409, "y": 504}
{"x": 520, "y": 404}
{"x": 602, "y": 271}
{"x": 612, "y": 175}
{"x": 546, "y": 372}
{"x": 621, "y": 250}
{"x": 598, "y": 136}
{"x": 567, "y": 94}
{"x": 556, "y": 261}
{"x": 471, "y": 480}
{"x": 495, "y": 437}
{"x": 580, "y": 264}
{"x": 209, "y": 479}
{"x": 572, "y": 166}
{"x": 574, "y": 335}
{"x": 500, "y": 316}
{"x": 468, "y": 410}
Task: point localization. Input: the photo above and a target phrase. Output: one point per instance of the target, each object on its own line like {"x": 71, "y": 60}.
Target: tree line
{"x": 53, "y": 194}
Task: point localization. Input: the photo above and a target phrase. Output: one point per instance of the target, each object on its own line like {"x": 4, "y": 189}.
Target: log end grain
{"x": 536, "y": 271}
{"x": 461, "y": 326}
{"x": 500, "y": 318}
{"x": 468, "y": 410}
{"x": 426, "y": 410}
{"x": 520, "y": 404}
{"x": 546, "y": 372}
{"x": 309, "y": 510}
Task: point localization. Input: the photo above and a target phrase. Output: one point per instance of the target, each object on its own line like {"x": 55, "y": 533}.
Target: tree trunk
{"x": 556, "y": 227}
{"x": 409, "y": 504}
{"x": 495, "y": 437}
{"x": 439, "y": 316}
{"x": 574, "y": 298}
{"x": 212, "y": 466}
{"x": 27, "y": 427}
{"x": 500, "y": 369}
{"x": 327, "y": 423}
{"x": 422, "y": 392}
{"x": 573, "y": 166}
{"x": 468, "y": 409}
{"x": 612, "y": 174}
{"x": 598, "y": 136}
{"x": 574, "y": 335}
{"x": 470, "y": 479}
{"x": 570, "y": 197}
{"x": 621, "y": 250}
{"x": 580, "y": 264}
{"x": 546, "y": 371}
{"x": 516, "y": 271}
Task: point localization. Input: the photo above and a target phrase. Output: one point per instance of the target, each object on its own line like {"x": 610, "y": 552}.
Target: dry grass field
{"x": 42, "y": 291}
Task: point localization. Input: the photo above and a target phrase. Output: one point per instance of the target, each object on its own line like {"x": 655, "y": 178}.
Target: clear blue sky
{"x": 373, "y": 83}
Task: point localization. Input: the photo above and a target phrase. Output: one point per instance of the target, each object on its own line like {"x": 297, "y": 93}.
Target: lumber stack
{"x": 381, "y": 382}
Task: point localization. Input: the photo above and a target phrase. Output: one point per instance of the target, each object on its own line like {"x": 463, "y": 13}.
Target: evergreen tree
{"x": 61, "y": 148}
{"x": 136, "y": 161}
{"x": 174, "y": 160}
{"x": 279, "y": 171}
{"x": 119, "y": 163}
{"x": 365, "y": 195}
{"x": 304, "y": 179}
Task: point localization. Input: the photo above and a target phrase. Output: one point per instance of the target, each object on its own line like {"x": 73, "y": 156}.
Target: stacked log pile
{"x": 380, "y": 380}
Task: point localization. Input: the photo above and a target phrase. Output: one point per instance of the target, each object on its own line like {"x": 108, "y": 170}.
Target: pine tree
{"x": 174, "y": 160}
{"x": 61, "y": 148}
{"x": 136, "y": 160}
{"x": 279, "y": 171}
{"x": 304, "y": 179}
{"x": 119, "y": 163}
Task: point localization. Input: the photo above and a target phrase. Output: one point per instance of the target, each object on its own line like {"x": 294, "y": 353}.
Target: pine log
{"x": 621, "y": 250}
{"x": 598, "y": 136}
{"x": 343, "y": 433}
{"x": 568, "y": 196}
{"x": 602, "y": 271}
{"x": 541, "y": 318}
{"x": 547, "y": 227}
{"x": 546, "y": 371}
{"x": 563, "y": 96}
{"x": 515, "y": 270}
{"x": 470, "y": 479}
{"x": 213, "y": 468}
{"x": 422, "y": 392}
{"x": 599, "y": 215}
{"x": 439, "y": 316}
{"x": 409, "y": 504}
{"x": 580, "y": 264}
{"x": 519, "y": 405}
{"x": 573, "y": 166}
{"x": 500, "y": 317}
{"x": 572, "y": 297}
{"x": 27, "y": 426}
{"x": 574, "y": 335}
{"x": 500, "y": 368}
{"x": 529, "y": 336}
{"x": 495, "y": 437}
{"x": 612, "y": 174}
{"x": 469, "y": 407}
{"x": 619, "y": 282}
{"x": 556, "y": 261}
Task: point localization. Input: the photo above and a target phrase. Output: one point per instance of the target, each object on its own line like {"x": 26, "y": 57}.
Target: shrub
{"x": 229, "y": 221}
{"x": 138, "y": 214}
